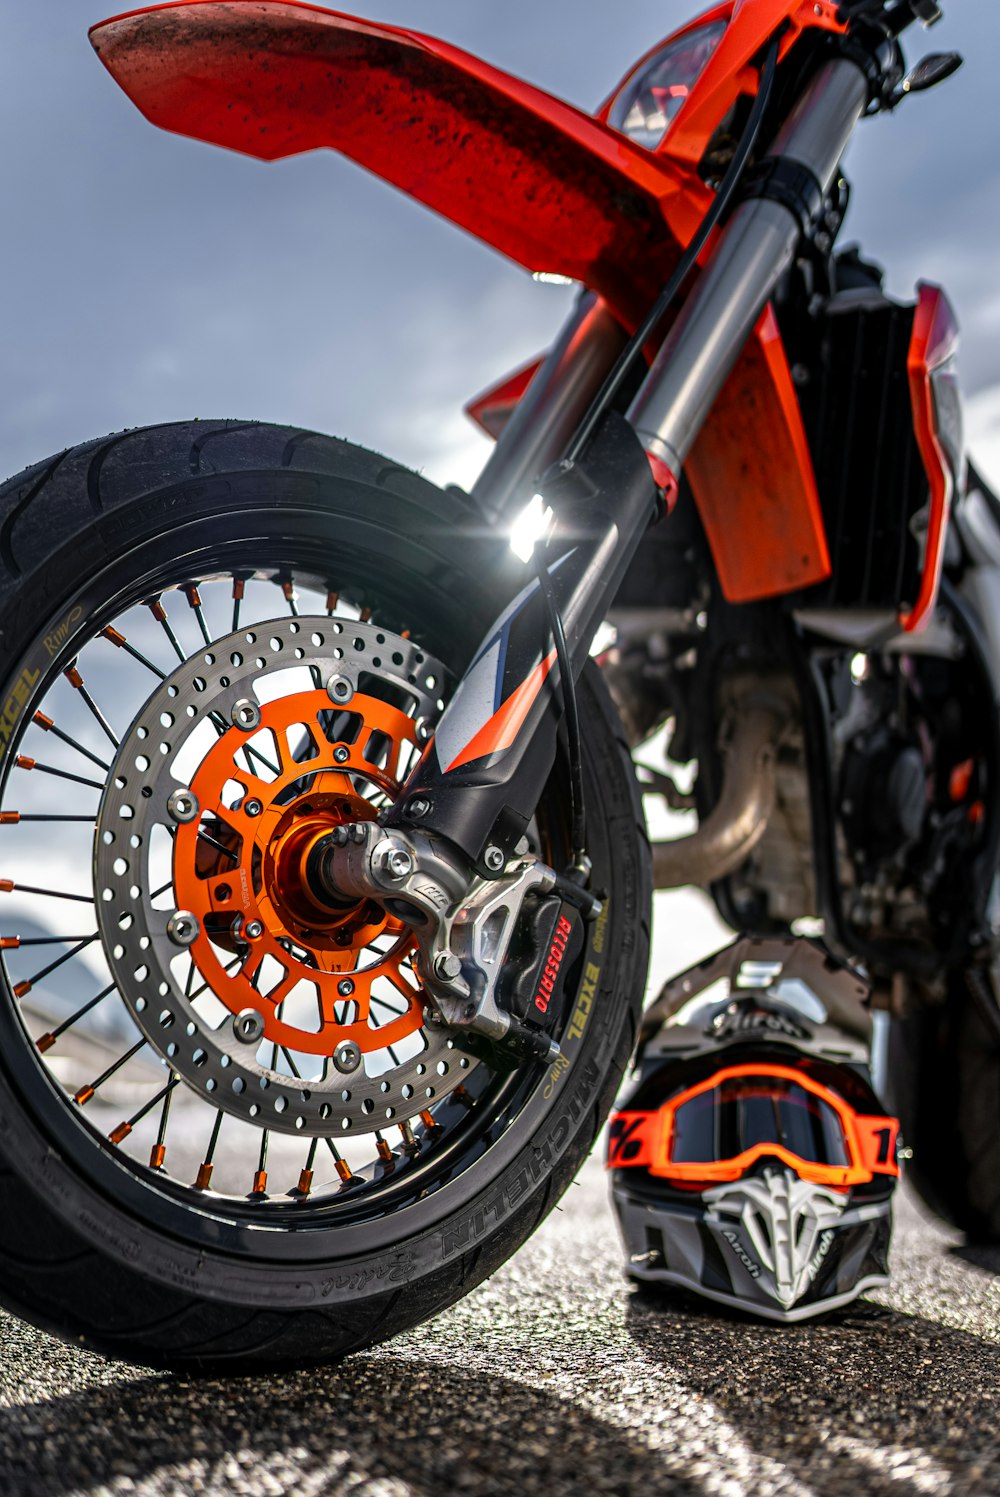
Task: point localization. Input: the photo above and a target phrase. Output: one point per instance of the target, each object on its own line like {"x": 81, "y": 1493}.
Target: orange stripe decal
{"x": 506, "y": 722}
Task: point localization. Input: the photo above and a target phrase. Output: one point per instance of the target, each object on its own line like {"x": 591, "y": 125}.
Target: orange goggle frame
{"x": 646, "y": 1138}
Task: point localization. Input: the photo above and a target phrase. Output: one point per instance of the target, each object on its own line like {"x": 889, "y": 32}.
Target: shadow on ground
{"x": 871, "y": 1401}
{"x": 867, "y": 1401}
{"x": 336, "y": 1429}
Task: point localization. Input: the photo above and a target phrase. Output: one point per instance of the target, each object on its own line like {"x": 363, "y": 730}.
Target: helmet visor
{"x": 717, "y": 1130}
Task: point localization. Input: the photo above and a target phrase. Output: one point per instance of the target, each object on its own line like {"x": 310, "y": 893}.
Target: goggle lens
{"x": 719, "y": 1129}
{"x": 744, "y": 1112}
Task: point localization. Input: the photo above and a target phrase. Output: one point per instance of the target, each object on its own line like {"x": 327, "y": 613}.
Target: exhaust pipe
{"x": 730, "y": 833}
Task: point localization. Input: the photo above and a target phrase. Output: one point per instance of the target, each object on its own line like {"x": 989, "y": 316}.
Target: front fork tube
{"x": 481, "y": 778}
{"x": 479, "y": 781}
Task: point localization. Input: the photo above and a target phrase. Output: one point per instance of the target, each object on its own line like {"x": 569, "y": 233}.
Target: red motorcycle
{"x": 311, "y": 755}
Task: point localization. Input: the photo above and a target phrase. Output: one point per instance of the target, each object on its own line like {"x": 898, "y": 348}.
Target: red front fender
{"x": 549, "y": 186}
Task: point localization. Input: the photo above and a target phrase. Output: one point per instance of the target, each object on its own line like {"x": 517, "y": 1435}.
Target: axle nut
{"x": 398, "y": 863}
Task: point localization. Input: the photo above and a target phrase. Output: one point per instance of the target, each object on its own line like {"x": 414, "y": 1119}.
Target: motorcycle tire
{"x": 137, "y": 552}
{"x": 944, "y": 1082}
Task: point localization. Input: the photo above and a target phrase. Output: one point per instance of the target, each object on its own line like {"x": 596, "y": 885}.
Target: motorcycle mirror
{"x": 934, "y": 68}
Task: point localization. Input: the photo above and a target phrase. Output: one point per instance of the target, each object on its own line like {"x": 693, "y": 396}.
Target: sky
{"x": 150, "y": 278}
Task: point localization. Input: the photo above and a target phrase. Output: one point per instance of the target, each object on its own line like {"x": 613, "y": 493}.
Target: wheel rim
{"x": 259, "y": 1174}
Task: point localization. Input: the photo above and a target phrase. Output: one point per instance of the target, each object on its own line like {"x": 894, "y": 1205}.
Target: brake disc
{"x": 274, "y": 1004}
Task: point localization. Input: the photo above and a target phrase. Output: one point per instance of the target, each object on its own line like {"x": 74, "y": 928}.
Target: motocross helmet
{"x": 752, "y": 1162}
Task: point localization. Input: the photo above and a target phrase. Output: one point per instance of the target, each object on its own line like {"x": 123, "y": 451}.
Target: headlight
{"x": 653, "y": 97}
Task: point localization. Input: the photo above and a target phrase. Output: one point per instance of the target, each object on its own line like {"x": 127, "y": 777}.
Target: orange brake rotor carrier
{"x": 255, "y": 867}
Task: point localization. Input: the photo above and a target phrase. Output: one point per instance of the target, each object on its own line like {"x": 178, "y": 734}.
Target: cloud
{"x": 983, "y": 434}
{"x": 149, "y": 278}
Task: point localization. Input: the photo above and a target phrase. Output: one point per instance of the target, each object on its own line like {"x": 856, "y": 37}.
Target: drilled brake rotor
{"x": 276, "y": 1005}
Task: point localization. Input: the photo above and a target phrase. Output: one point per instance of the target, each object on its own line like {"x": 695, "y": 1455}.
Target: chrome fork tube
{"x": 755, "y": 249}
{"x": 553, "y": 405}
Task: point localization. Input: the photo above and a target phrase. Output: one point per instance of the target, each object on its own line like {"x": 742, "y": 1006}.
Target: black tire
{"x": 93, "y": 1245}
{"x": 944, "y": 1078}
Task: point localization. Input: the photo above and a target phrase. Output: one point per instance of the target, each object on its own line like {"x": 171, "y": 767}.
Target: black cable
{"x": 634, "y": 348}
{"x": 567, "y": 683}
{"x": 603, "y": 402}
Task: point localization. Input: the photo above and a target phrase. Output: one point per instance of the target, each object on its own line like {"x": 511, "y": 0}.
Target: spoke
{"x": 306, "y": 1175}
{"x": 294, "y": 1068}
{"x": 8, "y": 886}
{"x": 364, "y": 615}
{"x": 119, "y": 1134}
{"x": 48, "y": 726}
{"x": 288, "y": 588}
{"x": 48, "y": 1040}
{"x": 83, "y": 1096}
{"x": 22, "y": 988}
{"x": 194, "y": 599}
{"x": 239, "y": 588}
{"x": 342, "y": 1167}
{"x": 159, "y": 1149}
{"x": 249, "y": 751}
{"x": 76, "y": 681}
{"x": 219, "y": 846}
{"x": 397, "y": 1013}
{"x": 121, "y": 643}
{"x": 14, "y": 818}
{"x": 162, "y": 889}
{"x": 383, "y": 1150}
{"x": 332, "y": 599}
{"x": 160, "y": 615}
{"x": 231, "y": 968}
{"x": 23, "y": 762}
{"x": 16, "y": 943}
{"x": 206, "y": 1167}
{"x": 260, "y": 1178}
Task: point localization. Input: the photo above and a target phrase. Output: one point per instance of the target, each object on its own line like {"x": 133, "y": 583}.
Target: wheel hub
{"x": 275, "y": 1002}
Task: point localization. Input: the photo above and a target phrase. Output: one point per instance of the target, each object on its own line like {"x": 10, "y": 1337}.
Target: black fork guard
{"x": 480, "y": 779}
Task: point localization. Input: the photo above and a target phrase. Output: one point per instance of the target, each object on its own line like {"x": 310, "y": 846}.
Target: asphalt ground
{"x": 553, "y": 1378}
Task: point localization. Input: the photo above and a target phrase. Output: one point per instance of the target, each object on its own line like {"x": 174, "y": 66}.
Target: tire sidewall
{"x": 546, "y": 1140}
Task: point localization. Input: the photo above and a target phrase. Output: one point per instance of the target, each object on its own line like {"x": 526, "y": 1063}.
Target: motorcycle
{"x": 319, "y": 759}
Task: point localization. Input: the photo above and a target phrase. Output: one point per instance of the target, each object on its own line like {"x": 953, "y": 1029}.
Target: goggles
{"x": 714, "y": 1132}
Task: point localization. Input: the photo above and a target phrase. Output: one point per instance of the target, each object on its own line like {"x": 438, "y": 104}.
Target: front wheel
{"x": 944, "y": 1078}
{"x": 226, "y": 1134}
